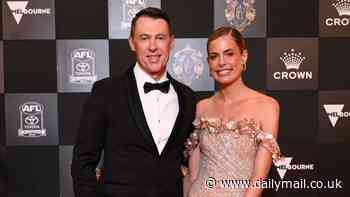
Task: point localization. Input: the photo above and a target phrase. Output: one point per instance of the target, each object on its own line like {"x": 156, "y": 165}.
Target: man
{"x": 141, "y": 120}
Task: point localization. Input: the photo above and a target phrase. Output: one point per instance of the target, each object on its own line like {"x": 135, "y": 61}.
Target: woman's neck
{"x": 233, "y": 92}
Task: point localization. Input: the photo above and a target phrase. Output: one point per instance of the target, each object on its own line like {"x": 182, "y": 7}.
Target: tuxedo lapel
{"x": 136, "y": 109}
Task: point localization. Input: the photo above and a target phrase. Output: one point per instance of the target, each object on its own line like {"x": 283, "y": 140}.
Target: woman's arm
{"x": 268, "y": 116}
{"x": 192, "y": 173}
{"x": 194, "y": 153}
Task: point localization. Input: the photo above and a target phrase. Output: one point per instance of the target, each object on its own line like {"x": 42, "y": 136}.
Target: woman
{"x": 235, "y": 130}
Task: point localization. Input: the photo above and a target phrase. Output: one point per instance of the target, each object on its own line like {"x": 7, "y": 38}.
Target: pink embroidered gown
{"x": 227, "y": 152}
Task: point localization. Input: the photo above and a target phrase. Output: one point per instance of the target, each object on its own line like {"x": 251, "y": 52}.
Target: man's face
{"x": 152, "y": 43}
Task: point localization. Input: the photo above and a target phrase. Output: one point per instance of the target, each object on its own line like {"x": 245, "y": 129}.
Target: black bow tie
{"x": 163, "y": 87}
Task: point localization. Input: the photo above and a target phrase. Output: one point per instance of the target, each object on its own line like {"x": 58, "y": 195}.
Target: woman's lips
{"x": 223, "y": 72}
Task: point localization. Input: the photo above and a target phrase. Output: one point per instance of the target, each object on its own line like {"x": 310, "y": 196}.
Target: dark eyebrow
{"x": 151, "y": 35}
{"x": 162, "y": 35}
{"x": 225, "y": 51}
{"x": 228, "y": 50}
{"x": 140, "y": 35}
{"x": 212, "y": 53}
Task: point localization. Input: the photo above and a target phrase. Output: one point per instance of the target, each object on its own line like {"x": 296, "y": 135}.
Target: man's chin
{"x": 158, "y": 72}
{"x": 157, "y": 67}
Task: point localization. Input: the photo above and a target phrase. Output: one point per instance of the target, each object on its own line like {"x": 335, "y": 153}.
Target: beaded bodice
{"x": 227, "y": 151}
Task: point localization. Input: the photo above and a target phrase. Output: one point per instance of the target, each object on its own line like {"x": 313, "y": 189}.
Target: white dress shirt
{"x": 160, "y": 109}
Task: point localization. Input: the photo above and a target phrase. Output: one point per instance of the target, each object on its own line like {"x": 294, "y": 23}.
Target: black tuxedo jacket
{"x": 113, "y": 120}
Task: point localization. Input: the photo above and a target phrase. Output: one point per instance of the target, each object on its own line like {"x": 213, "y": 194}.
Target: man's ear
{"x": 131, "y": 43}
{"x": 172, "y": 41}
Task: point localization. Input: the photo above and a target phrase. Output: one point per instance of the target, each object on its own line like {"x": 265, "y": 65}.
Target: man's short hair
{"x": 151, "y": 12}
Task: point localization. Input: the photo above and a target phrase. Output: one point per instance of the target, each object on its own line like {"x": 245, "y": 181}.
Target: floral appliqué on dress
{"x": 216, "y": 126}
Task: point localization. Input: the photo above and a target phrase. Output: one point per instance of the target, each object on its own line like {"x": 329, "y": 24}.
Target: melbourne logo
{"x": 83, "y": 66}
{"x": 334, "y": 112}
{"x": 188, "y": 65}
{"x": 292, "y": 62}
{"x": 240, "y": 13}
{"x": 343, "y": 10}
{"x": 18, "y": 9}
{"x": 31, "y": 120}
{"x": 284, "y": 164}
{"x": 129, "y": 10}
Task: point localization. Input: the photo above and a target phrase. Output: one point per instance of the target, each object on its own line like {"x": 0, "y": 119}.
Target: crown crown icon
{"x": 292, "y": 60}
{"x": 343, "y": 7}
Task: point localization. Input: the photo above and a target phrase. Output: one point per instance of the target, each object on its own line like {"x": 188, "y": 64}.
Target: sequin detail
{"x": 243, "y": 127}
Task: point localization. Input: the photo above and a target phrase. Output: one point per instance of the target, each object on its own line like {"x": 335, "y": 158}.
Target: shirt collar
{"x": 142, "y": 77}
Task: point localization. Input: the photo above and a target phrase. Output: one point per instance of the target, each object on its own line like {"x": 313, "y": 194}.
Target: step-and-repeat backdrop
{"x": 51, "y": 52}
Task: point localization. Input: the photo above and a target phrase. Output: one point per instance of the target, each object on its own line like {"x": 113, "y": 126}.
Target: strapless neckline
{"x": 242, "y": 126}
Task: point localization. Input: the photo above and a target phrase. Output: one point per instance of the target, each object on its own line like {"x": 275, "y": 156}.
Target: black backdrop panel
{"x": 298, "y": 120}
{"x": 81, "y": 20}
{"x": 121, "y": 57}
{"x": 3, "y": 171}
{"x": 255, "y": 75}
{"x": 33, "y": 171}
{"x": 334, "y": 63}
{"x": 292, "y": 18}
{"x": 333, "y": 165}
{"x": 2, "y": 121}
{"x": 191, "y": 19}
{"x": 30, "y": 66}
{"x": 68, "y": 118}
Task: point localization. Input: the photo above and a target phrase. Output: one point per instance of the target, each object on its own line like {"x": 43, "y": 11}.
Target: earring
{"x": 244, "y": 66}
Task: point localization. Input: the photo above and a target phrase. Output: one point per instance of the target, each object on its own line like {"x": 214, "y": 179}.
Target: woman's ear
{"x": 244, "y": 56}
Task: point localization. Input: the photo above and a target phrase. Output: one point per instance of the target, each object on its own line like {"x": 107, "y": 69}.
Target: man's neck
{"x": 156, "y": 77}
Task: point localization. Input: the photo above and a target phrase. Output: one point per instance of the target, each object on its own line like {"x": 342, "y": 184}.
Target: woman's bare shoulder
{"x": 203, "y": 105}
{"x": 262, "y": 100}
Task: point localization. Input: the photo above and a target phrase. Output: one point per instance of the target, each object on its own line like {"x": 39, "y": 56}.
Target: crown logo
{"x": 343, "y": 7}
{"x": 292, "y": 60}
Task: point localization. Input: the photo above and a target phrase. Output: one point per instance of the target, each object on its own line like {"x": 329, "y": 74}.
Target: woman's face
{"x": 225, "y": 60}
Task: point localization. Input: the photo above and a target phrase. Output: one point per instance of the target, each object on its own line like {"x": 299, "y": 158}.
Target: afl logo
{"x": 31, "y": 120}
